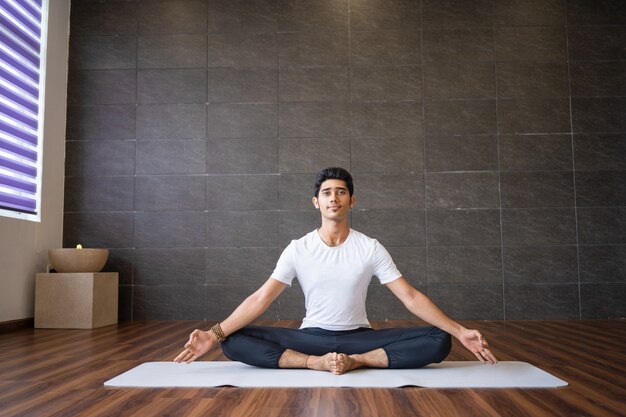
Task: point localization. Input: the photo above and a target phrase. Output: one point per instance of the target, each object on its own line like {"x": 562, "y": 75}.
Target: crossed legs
{"x": 336, "y": 363}
{"x": 337, "y": 352}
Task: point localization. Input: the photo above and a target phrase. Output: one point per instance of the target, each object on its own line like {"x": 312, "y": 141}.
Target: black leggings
{"x": 411, "y": 347}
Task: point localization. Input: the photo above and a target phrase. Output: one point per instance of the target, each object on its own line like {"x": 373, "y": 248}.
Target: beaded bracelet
{"x": 218, "y": 332}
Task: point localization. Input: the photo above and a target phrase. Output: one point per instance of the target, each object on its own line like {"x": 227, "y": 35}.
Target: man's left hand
{"x": 477, "y": 344}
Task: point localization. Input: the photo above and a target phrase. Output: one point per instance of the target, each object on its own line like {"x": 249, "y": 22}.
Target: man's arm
{"x": 420, "y": 305}
{"x": 200, "y": 342}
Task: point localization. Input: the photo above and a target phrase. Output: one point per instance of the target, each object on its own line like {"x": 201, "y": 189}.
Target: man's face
{"x": 334, "y": 201}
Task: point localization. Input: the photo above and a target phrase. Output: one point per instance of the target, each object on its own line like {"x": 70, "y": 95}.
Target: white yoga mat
{"x": 449, "y": 374}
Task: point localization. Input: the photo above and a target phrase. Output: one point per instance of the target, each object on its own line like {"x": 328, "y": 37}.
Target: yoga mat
{"x": 448, "y": 374}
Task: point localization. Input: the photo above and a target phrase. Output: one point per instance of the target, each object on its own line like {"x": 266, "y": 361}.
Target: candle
{"x": 79, "y": 246}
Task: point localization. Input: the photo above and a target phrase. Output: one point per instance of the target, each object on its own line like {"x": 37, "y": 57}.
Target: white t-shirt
{"x": 335, "y": 279}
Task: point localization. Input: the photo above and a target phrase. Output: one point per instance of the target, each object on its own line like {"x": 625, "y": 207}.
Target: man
{"x": 334, "y": 265}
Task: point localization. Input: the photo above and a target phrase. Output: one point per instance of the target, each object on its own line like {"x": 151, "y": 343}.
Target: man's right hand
{"x": 200, "y": 342}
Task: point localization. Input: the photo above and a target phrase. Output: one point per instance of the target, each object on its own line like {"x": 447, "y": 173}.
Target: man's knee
{"x": 443, "y": 346}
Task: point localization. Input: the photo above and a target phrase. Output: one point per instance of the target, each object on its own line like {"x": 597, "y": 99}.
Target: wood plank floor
{"x": 61, "y": 373}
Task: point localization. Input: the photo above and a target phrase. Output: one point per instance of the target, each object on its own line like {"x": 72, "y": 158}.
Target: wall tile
{"x": 242, "y": 120}
{"x": 390, "y": 191}
{"x": 221, "y": 300}
{"x": 540, "y": 264}
{"x": 603, "y": 301}
{"x": 598, "y": 79}
{"x": 461, "y": 153}
{"x": 470, "y": 301}
{"x": 443, "y": 80}
{"x": 537, "y": 189}
{"x": 171, "y": 121}
{"x": 535, "y": 152}
{"x": 382, "y": 304}
{"x": 101, "y": 122}
{"x": 454, "y": 14}
{"x": 399, "y": 154}
{"x": 172, "y": 51}
{"x": 171, "y": 86}
{"x": 242, "y": 192}
{"x": 542, "y": 115}
{"x": 411, "y": 262}
{"x": 540, "y": 226}
{"x": 87, "y": 158}
{"x": 314, "y": 84}
{"x": 462, "y": 190}
{"x": 242, "y": 85}
{"x": 464, "y": 264}
{"x": 598, "y": 152}
{"x": 103, "y": 52}
{"x": 463, "y": 227}
{"x": 313, "y": 49}
{"x": 392, "y": 227}
{"x": 242, "y": 156}
{"x": 601, "y": 225}
{"x": 172, "y": 193}
{"x": 607, "y": 12}
{"x": 170, "y": 229}
{"x": 385, "y": 119}
{"x": 460, "y": 45}
{"x": 542, "y": 301}
{"x": 99, "y": 194}
{"x": 295, "y": 224}
{"x": 597, "y": 43}
{"x": 98, "y": 230}
{"x": 102, "y": 87}
{"x": 125, "y": 303}
{"x": 385, "y": 48}
{"x": 242, "y": 50}
{"x": 312, "y": 155}
{"x": 316, "y": 15}
{"x": 172, "y": 16}
{"x": 460, "y": 117}
{"x": 536, "y": 44}
{"x": 602, "y": 263}
{"x": 529, "y": 13}
{"x": 318, "y": 119}
{"x": 240, "y": 266}
{"x": 171, "y": 157}
{"x": 242, "y": 229}
{"x": 168, "y": 302}
{"x": 169, "y": 266}
{"x": 600, "y": 188}
{"x": 291, "y": 304}
{"x": 103, "y": 18}
{"x": 121, "y": 261}
{"x": 532, "y": 79}
{"x": 602, "y": 115}
{"x": 296, "y": 191}
{"x": 386, "y": 83}
{"x": 384, "y": 15}
{"x": 259, "y": 16}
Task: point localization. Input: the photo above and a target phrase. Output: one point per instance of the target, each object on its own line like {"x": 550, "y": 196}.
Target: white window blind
{"x": 21, "y": 106}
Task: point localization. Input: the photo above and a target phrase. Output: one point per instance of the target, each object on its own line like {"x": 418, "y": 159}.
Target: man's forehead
{"x": 334, "y": 184}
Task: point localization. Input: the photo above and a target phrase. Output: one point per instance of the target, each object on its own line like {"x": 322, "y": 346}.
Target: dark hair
{"x": 335, "y": 173}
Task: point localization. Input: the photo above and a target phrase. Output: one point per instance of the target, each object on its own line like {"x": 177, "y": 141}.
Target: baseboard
{"x": 14, "y": 325}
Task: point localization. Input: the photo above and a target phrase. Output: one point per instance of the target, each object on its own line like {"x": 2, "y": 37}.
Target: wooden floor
{"x": 61, "y": 373}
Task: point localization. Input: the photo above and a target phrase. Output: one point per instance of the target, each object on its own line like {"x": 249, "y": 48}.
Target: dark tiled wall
{"x": 487, "y": 139}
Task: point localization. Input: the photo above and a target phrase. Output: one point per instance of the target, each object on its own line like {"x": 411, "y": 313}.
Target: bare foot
{"x": 320, "y": 363}
{"x": 343, "y": 363}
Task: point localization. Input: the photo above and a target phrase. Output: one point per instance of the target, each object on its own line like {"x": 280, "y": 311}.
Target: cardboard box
{"x": 84, "y": 300}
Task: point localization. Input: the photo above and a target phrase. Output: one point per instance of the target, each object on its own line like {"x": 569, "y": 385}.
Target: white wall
{"x": 23, "y": 244}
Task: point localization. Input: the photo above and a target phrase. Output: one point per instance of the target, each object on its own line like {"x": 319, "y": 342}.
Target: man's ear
{"x": 352, "y": 201}
{"x": 315, "y": 202}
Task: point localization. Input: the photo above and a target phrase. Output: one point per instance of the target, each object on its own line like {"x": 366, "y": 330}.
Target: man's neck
{"x": 334, "y": 233}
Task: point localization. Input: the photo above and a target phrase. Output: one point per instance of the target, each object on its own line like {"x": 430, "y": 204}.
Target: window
{"x": 22, "y": 64}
